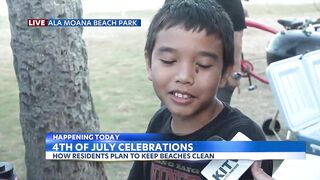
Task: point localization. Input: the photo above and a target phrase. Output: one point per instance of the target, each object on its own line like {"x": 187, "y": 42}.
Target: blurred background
{"x": 123, "y": 97}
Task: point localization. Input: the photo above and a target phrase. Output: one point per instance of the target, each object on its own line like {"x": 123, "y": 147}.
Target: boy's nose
{"x": 185, "y": 74}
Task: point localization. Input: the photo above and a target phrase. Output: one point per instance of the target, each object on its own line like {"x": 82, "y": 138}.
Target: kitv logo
{"x": 225, "y": 169}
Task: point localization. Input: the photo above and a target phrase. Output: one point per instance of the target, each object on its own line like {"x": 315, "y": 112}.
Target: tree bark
{"x": 52, "y": 73}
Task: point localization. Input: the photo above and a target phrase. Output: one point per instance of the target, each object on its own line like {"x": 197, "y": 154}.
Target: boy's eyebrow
{"x": 208, "y": 54}
{"x": 166, "y": 49}
{"x": 201, "y": 53}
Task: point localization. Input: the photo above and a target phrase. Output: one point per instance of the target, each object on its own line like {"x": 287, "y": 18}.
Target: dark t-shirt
{"x": 226, "y": 125}
{"x": 236, "y": 13}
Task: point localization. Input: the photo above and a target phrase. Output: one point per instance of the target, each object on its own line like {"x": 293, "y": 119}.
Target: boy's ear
{"x": 148, "y": 65}
{"x": 225, "y": 76}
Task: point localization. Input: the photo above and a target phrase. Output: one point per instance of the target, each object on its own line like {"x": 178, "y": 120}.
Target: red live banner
{"x": 37, "y": 22}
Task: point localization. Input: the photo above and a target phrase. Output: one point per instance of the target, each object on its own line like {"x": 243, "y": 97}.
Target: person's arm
{"x": 236, "y": 13}
{"x": 237, "y": 58}
{"x": 237, "y": 50}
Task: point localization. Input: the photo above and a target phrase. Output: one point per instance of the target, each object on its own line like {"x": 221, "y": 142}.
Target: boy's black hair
{"x": 195, "y": 15}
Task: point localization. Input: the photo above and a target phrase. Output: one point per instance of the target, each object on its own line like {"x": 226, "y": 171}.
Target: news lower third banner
{"x": 146, "y": 147}
{"x": 84, "y": 22}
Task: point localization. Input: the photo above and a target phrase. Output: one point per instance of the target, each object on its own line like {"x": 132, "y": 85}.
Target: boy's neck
{"x": 185, "y": 126}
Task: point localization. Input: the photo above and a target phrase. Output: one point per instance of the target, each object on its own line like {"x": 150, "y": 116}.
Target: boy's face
{"x": 186, "y": 70}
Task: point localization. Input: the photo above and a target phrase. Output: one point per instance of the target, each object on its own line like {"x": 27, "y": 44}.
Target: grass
{"x": 123, "y": 97}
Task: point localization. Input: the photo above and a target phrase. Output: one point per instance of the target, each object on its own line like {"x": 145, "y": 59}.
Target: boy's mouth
{"x": 180, "y": 94}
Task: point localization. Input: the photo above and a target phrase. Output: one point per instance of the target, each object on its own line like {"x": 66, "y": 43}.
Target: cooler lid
{"x": 293, "y": 91}
{"x": 311, "y": 62}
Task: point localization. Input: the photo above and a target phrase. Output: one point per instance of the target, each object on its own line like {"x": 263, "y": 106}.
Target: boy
{"x": 189, "y": 54}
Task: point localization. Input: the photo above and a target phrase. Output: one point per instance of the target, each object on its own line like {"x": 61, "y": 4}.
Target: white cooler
{"x": 295, "y": 84}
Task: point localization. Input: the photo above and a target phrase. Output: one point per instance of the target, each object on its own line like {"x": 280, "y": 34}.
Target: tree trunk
{"x": 52, "y": 73}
